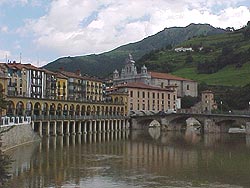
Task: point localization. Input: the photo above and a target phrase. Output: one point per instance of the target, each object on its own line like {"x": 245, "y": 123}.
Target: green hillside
{"x": 103, "y": 64}
{"x": 222, "y": 59}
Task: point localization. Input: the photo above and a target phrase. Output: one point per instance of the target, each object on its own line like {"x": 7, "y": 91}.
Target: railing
{"x": 216, "y": 112}
{"x": 69, "y": 117}
{"x": 11, "y": 121}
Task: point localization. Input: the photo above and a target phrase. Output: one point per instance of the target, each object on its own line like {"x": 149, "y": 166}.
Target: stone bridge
{"x": 177, "y": 121}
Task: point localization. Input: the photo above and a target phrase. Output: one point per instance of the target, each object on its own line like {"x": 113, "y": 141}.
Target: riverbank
{"x": 17, "y": 135}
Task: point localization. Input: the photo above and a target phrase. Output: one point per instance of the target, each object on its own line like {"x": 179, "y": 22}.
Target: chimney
{"x": 78, "y": 72}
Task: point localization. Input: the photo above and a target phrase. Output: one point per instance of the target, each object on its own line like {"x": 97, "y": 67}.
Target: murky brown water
{"x": 141, "y": 159}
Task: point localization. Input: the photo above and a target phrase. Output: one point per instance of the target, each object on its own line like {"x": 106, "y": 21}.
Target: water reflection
{"x": 137, "y": 159}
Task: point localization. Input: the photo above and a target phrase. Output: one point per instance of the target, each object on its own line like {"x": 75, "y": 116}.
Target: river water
{"x": 133, "y": 160}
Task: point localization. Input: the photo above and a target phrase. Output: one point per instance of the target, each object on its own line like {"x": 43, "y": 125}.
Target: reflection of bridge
{"x": 177, "y": 121}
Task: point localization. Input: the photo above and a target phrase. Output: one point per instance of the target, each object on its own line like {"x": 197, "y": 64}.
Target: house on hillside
{"x": 182, "y": 49}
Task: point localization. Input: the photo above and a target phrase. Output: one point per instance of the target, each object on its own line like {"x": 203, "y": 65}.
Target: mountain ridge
{"x": 105, "y": 63}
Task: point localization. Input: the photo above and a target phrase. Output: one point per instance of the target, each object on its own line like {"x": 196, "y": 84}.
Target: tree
{"x": 189, "y": 59}
{"x": 188, "y": 101}
{"x": 5, "y": 160}
{"x": 246, "y": 31}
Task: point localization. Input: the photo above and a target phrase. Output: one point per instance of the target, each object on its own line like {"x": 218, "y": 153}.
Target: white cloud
{"x": 73, "y": 27}
{"x": 4, "y": 29}
{"x": 14, "y": 2}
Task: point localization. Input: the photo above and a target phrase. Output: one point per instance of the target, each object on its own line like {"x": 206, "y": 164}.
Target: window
{"x": 148, "y": 95}
{"x": 131, "y": 93}
{"x": 162, "y": 85}
{"x": 131, "y": 106}
{"x": 187, "y": 87}
{"x": 162, "y": 95}
{"x": 143, "y": 94}
{"x": 158, "y": 95}
{"x": 168, "y": 96}
{"x": 138, "y": 94}
{"x": 153, "y": 95}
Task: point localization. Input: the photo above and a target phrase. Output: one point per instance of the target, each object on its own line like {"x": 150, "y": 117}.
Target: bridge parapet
{"x": 89, "y": 117}
{"x": 11, "y": 121}
{"x": 210, "y": 122}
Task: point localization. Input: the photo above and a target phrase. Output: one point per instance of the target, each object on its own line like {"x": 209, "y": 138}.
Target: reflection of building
{"x": 143, "y": 97}
{"x": 129, "y": 74}
{"x": 207, "y": 101}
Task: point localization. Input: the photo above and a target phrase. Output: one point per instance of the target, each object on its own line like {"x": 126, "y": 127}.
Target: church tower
{"x": 130, "y": 68}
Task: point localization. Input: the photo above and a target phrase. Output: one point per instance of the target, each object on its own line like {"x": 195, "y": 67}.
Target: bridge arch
{"x": 65, "y": 109}
{"x": 52, "y": 109}
{"x": 71, "y": 110}
{"x": 110, "y": 110}
{"x": 83, "y": 110}
{"x": 88, "y": 110}
{"x": 102, "y": 110}
{"x": 93, "y": 110}
{"x": 10, "y": 111}
{"x": 19, "y": 108}
{"x": 29, "y": 108}
{"x": 45, "y": 108}
{"x": 59, "y": 109}
{"x": 179, "y": 123}
{"x": 98, "y": 110}
{"x": 78, "y": 110}
{"x": 37, "y": 108}
{"x": 107, "y": 110}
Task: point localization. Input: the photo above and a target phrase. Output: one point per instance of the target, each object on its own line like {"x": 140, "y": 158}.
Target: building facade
{"x": 207, "y": 101}
{"x": 50, "y": 85}
{"x": 94, "y": 89}
{"x": 143, "y": 97}
{"x": 62, "y": 87}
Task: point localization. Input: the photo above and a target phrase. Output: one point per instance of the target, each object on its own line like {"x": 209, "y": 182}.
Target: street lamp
{"x": 221, "y": 106}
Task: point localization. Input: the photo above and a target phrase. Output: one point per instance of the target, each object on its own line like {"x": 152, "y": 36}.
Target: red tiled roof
{"x": 49, "y": 72}
{"x": 21, "y": 66}
{"x": 71, "y": 74}
{"x": 91, "y": 78}
{"x": 75, "y": 75}
{"x": 166, "y": 76}
{"x": 59, "y": 75}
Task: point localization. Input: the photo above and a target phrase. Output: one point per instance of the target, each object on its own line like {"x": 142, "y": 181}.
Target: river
{"x": 133, "y": 160}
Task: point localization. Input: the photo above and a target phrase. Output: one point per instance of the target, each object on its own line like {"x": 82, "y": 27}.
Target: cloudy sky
{"x": 40, "y": 31}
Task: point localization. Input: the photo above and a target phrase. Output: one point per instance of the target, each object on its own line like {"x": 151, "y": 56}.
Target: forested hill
{"x": 222, "y": 59}
{"x": 103, "y": 64}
